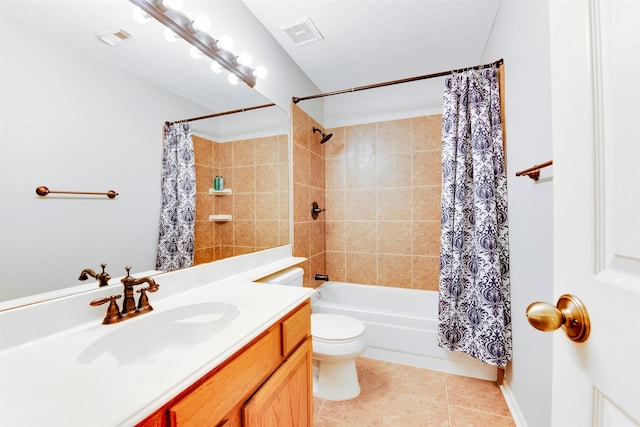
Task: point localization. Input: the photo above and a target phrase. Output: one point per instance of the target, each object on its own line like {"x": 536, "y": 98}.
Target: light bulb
{"x": 233, "y": 79}
{"x": 225, "y": 42}
{"x": 216, "y": 68}
{"x": 195, "y": 53}
{"x": 173, "y": 4}
{"x": 244, "y": 59}
{"x": 170, "y": 36}
{"x": 201, "y": 23}
{"x": 140, "y": 15}
{"x": 260, "y": 72}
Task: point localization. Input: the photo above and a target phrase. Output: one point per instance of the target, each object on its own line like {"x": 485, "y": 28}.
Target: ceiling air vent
{"x": 114, "y": 37}
{"x": 303, "y": 32}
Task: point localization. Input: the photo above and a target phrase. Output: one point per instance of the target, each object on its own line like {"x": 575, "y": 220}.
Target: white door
{"x": 595, "y": 62}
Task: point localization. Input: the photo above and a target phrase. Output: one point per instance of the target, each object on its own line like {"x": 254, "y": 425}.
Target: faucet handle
{"x": 113, "y": 312}
{"x": 143, "y": 301}
{"x": 104, "y": 276}
{"x": 101, "y": 301}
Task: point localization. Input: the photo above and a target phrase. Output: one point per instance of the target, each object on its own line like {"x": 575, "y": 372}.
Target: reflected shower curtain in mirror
{"x": 474, "y": 303}
{"x": 178, "y": 210}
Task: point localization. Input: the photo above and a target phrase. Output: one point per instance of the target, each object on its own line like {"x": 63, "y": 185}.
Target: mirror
{"x": 79, "y": 115}
{"x": 251, "y": 212}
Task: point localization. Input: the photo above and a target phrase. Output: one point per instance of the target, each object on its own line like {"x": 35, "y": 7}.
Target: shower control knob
{"x": 315, "y": 210}
{"x": 569, "y": 313}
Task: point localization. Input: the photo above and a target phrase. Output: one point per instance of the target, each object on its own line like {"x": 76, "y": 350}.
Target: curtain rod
{"x": 241, "y": 110}
{"x": 497, "y": 63}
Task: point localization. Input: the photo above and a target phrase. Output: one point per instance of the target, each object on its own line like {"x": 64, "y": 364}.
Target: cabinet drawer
{"x": 210, "y": 402}
{"x": 296, "y": 328}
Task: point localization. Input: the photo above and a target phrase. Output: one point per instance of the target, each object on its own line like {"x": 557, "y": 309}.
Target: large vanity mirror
{"x": 82, "y": 115}
{"x": 250, "y": 211}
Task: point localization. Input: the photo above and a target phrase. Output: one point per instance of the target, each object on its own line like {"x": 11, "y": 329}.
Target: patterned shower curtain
{"x": 474, "y": 311}
{"x": 178, "y": 211}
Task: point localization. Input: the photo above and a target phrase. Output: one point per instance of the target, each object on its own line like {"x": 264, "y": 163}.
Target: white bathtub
{"x": 401, "y": 326}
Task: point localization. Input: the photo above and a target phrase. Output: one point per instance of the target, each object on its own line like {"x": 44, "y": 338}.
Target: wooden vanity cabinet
{"x": 266, "y": 383}
{"x": 283, "y": 400}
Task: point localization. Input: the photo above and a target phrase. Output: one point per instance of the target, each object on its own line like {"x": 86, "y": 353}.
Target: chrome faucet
{"x": 103, "y": 277}
{"x": 129, "y": 309}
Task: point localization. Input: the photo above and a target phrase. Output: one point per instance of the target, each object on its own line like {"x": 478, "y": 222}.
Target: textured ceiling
{"x": 371, "y": 41}
{"x": 365, "y": 41}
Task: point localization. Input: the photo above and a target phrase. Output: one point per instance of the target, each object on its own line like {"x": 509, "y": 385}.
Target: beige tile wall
{"x": 308, "y": 186}
{"x": 380, "y": 184}
{"x": 257, "y": 171}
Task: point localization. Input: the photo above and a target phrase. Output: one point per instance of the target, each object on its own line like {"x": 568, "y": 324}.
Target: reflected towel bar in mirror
{"x": 534, "y": 171}
{"x": 43, "y": 191}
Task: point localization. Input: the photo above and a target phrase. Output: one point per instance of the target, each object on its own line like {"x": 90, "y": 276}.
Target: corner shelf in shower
{"x": 225, "y": 192}
{"x": 220, "y": 218}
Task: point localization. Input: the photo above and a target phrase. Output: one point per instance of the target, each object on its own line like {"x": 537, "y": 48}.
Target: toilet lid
{"x": 335, "y": 327}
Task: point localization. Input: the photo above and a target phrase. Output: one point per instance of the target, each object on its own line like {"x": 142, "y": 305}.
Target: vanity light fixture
{"x": 216, "y": 68}
{"x": 170, "y": 4}
{"x": 140, "y": 15}
{"x": 225, "y": 42}
{"x": 195, "y": 53}
{"x": 195, "y": 33}
{"x": 260, "y": 72}
{"x": 170, "y": 36}
{"x": 244, "y": 58}
{"x": 201, "y": 23}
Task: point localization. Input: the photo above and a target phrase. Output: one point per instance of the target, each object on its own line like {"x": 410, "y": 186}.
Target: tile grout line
{"x": 482, "y": 412}
{"x": 446, "y": 389}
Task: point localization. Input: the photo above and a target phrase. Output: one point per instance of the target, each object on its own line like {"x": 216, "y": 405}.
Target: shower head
{"x": 325, "y": 137}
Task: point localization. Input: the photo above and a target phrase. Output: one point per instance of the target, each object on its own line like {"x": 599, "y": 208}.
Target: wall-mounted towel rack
{"x": 534, "y": 171}
{"x": 43, "y": 191}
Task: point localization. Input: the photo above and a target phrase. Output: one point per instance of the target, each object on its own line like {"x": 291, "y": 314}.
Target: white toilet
{"x": 337, "y": 341}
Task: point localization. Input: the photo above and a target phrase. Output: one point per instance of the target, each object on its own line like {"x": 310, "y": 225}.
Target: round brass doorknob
{"x": 569, "y": 313}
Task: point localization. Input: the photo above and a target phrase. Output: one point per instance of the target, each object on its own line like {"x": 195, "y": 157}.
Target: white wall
{"x": 419, "y": 98}
{"x": 71, "y": 122}
{"x": 521, "y": 36}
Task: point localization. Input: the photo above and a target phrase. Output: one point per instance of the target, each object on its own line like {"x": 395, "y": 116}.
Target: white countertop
{"x": 57, "y": 380}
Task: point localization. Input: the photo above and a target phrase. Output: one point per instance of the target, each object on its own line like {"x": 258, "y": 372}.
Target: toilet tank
{"x": 290, "y": 277}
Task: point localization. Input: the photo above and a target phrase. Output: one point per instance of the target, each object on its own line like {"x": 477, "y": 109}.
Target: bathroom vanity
{"x": 267, "y": 382}
{"x": 217, "y": 349}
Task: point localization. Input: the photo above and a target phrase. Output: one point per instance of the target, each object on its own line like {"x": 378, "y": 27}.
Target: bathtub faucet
{"x": 324, "y": 277}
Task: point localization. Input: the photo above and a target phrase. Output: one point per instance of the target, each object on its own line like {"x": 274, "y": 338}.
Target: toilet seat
{"x": 337, "y": 341}
{"x": 335, "y": 328}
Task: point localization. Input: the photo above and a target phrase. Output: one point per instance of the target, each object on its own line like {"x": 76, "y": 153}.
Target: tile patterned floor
{"x": 404, "y": 396}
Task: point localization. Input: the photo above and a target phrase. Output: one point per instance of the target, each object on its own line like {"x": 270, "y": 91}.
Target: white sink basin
{"x": 155, "y": 334}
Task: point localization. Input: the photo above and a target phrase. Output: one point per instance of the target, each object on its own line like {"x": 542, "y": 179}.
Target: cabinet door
{"x": 286, "y": 399}
{"x": 231, "y": 385}
{"x": 233, "y": 419}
